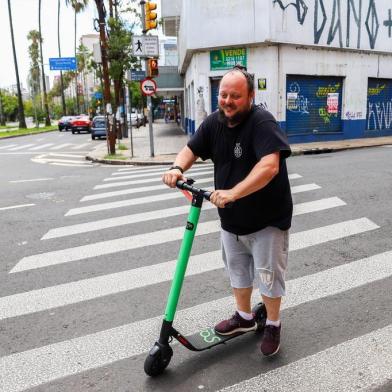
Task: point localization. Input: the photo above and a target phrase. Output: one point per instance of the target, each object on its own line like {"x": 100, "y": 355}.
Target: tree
{"x": 61, "y": 72}
{"x": 46, "y": 106}
{"x": 78, "y": 6}
{"x": 21, "y": 116}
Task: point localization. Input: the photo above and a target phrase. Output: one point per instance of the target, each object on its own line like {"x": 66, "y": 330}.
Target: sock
{"x": 244, "y": 315}
{"x": 274, "y": 323}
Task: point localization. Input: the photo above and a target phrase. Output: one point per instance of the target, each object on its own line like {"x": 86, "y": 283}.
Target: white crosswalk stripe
{"x": 61, "y": 146}
{"x": 80, "y": 146}
{"x": 41, "y": 147}
{"x": 297, "y": 241}
{"x": 344, "y": 367}
{"x": 7, "y": 146}
{"x": 20, "y": 147}
{"x": 367, "y": 357}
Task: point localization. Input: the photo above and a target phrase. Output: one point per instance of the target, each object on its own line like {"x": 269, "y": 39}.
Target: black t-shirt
{"x": 235, "y": 151}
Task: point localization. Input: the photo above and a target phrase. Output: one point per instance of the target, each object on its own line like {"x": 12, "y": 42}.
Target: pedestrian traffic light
{"x": 152, "y": 68}
{"x": 150, "y": 17}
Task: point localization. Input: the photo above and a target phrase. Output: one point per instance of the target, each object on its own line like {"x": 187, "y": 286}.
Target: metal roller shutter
{"x": 379, "y": 105}
{"x": 313, "y": 104}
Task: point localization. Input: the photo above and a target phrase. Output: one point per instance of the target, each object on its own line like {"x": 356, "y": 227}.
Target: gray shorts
{"x": 264, "y": 252}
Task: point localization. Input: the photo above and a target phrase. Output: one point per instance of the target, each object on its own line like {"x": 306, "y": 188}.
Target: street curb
{"x": 310, "y": 151}
{"x": 27, "y": 134}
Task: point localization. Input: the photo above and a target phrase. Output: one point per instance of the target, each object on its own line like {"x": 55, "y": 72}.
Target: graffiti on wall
{"x": 296, "y": 102}
{"x": 379, "y": 115}
{"x": 342, "y": 19}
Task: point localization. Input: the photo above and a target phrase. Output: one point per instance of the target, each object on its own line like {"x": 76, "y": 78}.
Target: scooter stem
{"x": 183, "y": 257}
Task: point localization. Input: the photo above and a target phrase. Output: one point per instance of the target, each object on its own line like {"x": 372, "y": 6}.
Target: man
{"x": 249, "y": 151}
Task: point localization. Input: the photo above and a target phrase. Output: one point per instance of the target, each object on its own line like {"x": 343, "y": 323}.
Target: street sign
{"x": 98, "y": 95}
{"x": 136, "y": 75}
{"x": 145, "y": 45}
{"x": 62, "y": 64}
{"x": 148, "y": 86}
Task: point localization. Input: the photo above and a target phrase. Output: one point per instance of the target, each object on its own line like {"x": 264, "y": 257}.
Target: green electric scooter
{"x": 160, "y": 354}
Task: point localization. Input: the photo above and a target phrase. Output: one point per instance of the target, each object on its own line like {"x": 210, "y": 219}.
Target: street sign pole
{"x": 149, "y": 101}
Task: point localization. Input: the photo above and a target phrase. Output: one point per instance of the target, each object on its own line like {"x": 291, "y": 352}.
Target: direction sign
{"x": 148, "y": 86}
{"x": 136, "y": 75}
{"x": 62, "y": 64}
{"x": 145, "y": 45}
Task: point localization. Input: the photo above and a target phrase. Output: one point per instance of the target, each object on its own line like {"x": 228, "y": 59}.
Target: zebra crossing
{"x": 143, "y": 201}
{"x": 34, "y": 147}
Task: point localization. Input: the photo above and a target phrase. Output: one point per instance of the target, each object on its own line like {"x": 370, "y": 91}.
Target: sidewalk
{"x": 169, "y": 139}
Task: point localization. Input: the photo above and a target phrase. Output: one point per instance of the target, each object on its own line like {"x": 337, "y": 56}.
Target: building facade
{"x": 322, "y": 67}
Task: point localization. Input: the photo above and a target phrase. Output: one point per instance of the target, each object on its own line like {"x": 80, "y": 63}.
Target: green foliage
{"x": 27, "y": 131}
{"x": 119, "y": 49}
{"x": 10, "y": 105}
{"x": 137, "y": 98}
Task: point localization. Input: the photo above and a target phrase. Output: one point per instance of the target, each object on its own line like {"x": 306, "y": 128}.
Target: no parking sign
{"x": 148, "y": 86}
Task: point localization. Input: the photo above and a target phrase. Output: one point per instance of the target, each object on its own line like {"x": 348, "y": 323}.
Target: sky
{"x": 25, "y": 18}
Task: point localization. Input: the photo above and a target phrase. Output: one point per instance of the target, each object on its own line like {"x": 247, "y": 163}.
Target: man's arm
{"x": 261, "y": 174}
{"x": 185, "y": 160}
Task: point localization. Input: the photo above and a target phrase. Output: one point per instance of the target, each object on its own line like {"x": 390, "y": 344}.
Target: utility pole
{"x": 110, "y": 129}
{"x": 149, "y": 101}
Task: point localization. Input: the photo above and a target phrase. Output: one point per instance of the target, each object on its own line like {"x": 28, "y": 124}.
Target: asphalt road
{"x": 86, "y": 268}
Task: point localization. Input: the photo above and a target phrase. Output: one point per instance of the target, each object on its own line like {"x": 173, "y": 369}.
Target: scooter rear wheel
{"x": 260, "y": 313}
{"x": 157, "y": 362}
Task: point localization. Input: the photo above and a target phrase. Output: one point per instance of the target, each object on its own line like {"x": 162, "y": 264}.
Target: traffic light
{"x": 150, "y": 17}
{"x": 152, "y": 68}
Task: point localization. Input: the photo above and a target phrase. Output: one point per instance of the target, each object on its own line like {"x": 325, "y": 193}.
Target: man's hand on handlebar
{"x": 222, "y": 197}
{"x": 171, "y": 176}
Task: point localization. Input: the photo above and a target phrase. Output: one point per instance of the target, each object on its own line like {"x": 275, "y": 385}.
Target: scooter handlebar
{"x": 187, "y": 186}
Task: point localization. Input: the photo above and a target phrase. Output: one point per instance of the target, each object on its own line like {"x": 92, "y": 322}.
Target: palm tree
{"x": 47, "y": 118}
{"x": 78, "y": 6}
{"x": 22, "y": 121}
{"x": 61, "y": 72}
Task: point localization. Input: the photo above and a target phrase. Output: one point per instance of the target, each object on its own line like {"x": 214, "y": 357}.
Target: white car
{"x": 136, "y": 118}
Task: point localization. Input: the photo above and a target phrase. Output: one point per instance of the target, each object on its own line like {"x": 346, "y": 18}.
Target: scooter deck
{"x": 205, "y": 339}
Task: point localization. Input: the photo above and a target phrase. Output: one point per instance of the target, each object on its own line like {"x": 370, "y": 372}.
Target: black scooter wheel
{"x": 260, "y": 313}
{"x": 157, "y": 361}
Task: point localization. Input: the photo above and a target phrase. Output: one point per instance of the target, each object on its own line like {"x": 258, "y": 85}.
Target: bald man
{"x": 249, "y": 152}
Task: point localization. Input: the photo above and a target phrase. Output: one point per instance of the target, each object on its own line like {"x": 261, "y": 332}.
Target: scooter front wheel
{"x": 157, "y": 360}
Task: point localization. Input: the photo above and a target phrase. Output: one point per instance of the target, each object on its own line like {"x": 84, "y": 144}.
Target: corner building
{"x": 322, "y": 67}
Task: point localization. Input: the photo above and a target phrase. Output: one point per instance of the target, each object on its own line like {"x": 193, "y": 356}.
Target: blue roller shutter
{"x": 379, "y": 105}
{"x": 313, "y": 104}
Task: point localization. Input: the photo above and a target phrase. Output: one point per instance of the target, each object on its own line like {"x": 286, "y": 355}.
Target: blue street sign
{"x": 62, "y": 64}
{"x": 98, "y": 95}
{"x": 137, "y": 74}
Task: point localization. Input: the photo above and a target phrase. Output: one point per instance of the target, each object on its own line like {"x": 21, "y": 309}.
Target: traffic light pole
{"x": 149, "y": 100}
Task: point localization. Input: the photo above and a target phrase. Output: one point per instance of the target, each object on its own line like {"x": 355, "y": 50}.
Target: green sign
{"x": 227, "y": 58}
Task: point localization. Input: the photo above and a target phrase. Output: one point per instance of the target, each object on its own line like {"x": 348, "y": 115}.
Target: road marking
{"x": 7, "y": 146}
{"x": 304, "y": 188}
{"x": 60, "y": 146}
{"x": 119, "y": 221}
{"x": 16, "y": 206}
{"x": 41, "y": 147}
{"x": 152, "y": 199}
{"x": 160, "y": 168}
{"x": 80, "y": 146}
{"x": 299, "y": 209}
{"x": 297, "y": 241}
{"x": 44, "y": 364}
{"x": 362, "y": 363}
{"x": 149, "y": 188}
{"x": 155, "y": 173}
{"x": 58, "y": 154}
{"x": 32, "y": 180}
{"x": 21, "y": 147}
{"x": 317, "y": 205}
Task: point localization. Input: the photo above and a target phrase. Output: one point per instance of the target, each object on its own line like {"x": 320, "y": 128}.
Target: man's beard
{"x": 237, "y": 118}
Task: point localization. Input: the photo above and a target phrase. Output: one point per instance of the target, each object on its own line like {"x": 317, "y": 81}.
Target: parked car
{"x": 64, "y": 123}
{"x": 142, "y": 119}
{"x": 98, "y": 127}
{"x": 81, "y": 123}
{"x": 133, "y": 117}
